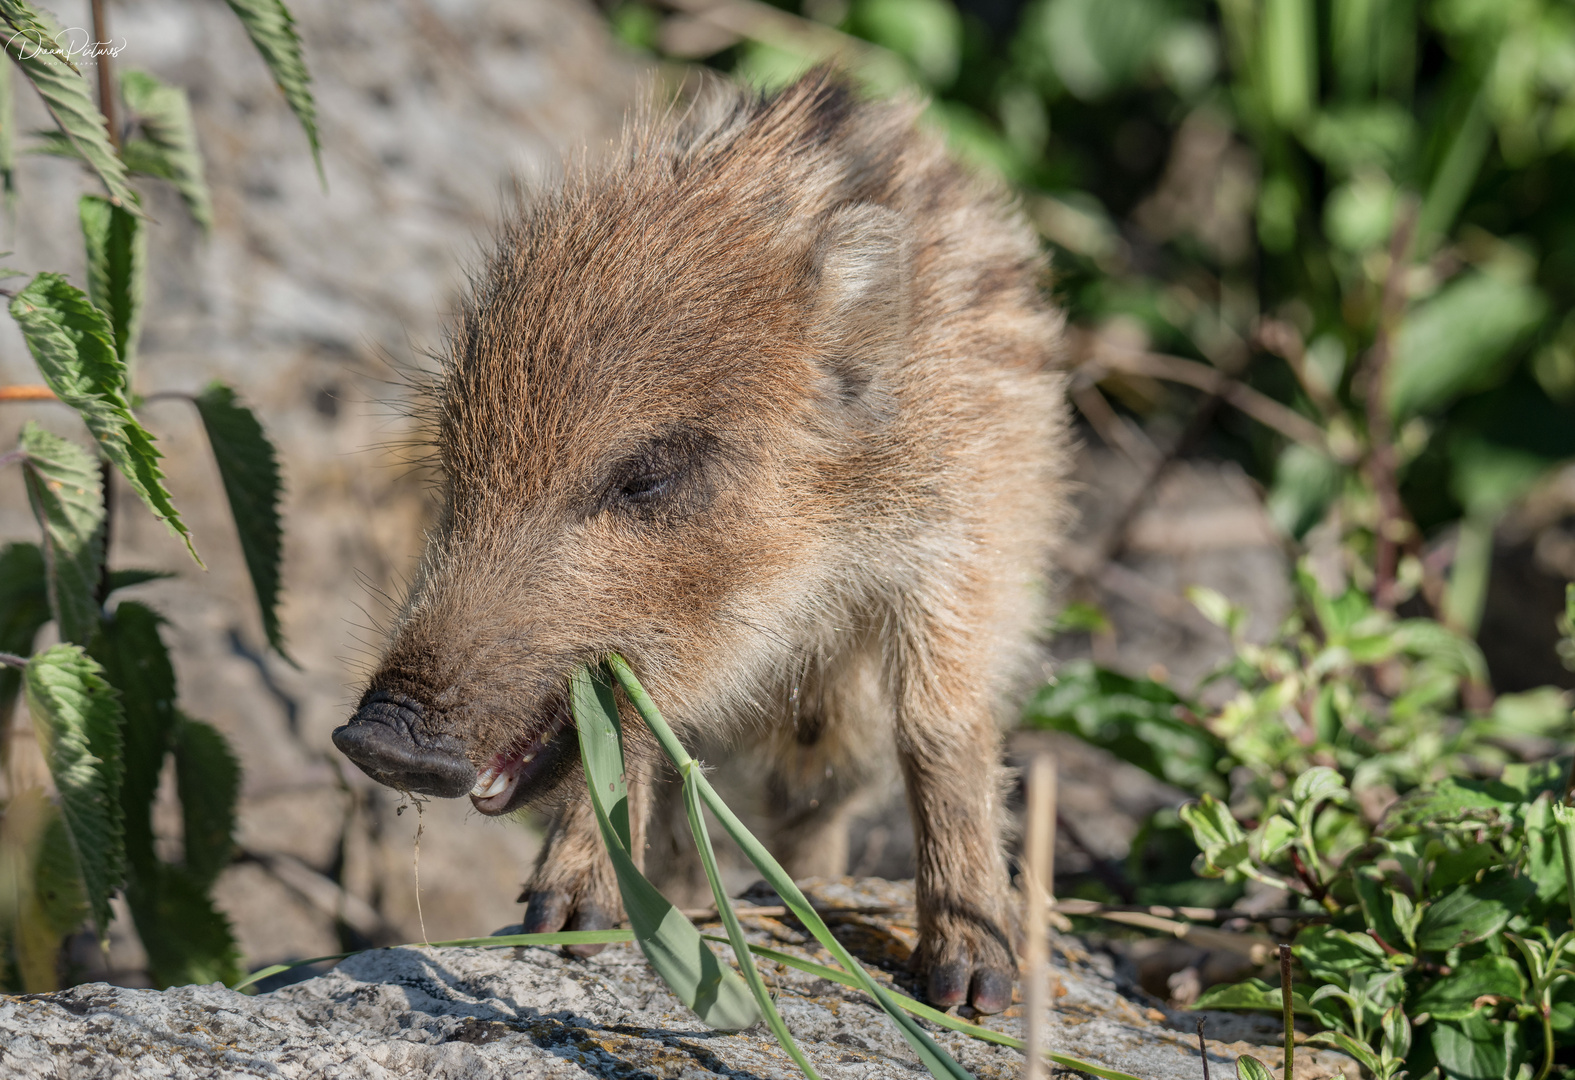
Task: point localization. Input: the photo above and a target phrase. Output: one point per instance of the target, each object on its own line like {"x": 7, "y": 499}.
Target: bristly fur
{"x": 766, "y": 403}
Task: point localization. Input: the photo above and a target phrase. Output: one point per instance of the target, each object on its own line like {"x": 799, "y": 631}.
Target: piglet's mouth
{"x": 511, "y": 777}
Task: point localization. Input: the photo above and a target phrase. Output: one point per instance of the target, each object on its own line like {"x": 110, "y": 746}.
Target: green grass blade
{"x": 164, "y": 113}
{"x": 66, "y": 95}
{"x": 934, "y": 1015}
{"x": 77, "y": 717}
{"x": 67, "y": 497}
{"x": 669, "y": 940}
{"x": 249, "y": 469}
{"x": 73, "y": 345}
{"x": 117, "y": 265}
{"x": 937, "y": 1060}
{"x": 272, "y": 29}
{"x": 501, "y": 941}
{"x": 735, "y": 932}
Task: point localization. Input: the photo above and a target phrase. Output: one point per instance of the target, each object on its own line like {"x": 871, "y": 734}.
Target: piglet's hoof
{"x": 552, "y": 910}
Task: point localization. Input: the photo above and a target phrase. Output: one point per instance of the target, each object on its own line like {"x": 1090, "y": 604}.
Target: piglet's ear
{"x": 862, "y": 302}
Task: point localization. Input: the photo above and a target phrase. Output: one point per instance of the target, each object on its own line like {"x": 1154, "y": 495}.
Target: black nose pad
{"x": 382, "y": 739}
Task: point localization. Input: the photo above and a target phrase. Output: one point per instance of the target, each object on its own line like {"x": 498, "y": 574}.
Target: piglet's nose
{"x": 384, "y": 740}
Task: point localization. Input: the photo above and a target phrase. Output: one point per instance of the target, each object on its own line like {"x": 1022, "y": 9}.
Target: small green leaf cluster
{"x": 1448, "y": 940}
{"x": 103, "y": 701}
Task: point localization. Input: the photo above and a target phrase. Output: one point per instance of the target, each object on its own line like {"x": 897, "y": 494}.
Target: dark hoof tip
{"x": 992, "y": 990}
{"x": 546, "y": 913}
{"x": 590, "y": 917}
{"x": 948, "y": 984}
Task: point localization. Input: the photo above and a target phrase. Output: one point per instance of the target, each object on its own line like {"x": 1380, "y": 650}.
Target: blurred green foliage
{"x": 1228, "y": 177}
{"x": 1360, "y": 209}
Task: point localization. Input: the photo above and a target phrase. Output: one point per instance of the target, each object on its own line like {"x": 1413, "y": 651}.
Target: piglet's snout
{"x": 386, "y": 742}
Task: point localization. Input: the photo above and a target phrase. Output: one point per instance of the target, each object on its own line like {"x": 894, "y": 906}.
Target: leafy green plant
{"x": 103, "y": 701}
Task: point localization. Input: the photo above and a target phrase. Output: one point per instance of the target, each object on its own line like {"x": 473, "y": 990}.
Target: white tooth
{"x": 489, "y": 783}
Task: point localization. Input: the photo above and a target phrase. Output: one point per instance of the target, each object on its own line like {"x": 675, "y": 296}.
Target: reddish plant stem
{"x": 1382, "y": 465}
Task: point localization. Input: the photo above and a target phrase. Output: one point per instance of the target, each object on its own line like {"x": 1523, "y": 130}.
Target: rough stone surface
{"x": 529, "y": 1013}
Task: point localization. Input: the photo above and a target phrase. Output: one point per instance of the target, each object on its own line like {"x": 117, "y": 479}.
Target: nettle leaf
{"x": 1250, "y": 1068}
{"x": 250, "y": 471}
{"x": 1544, "y": 857}
{"x": 135, "y": 662}
{"x": 208, "y": 780}
{"x": 24, "y": 609}
{"x": 30, "y": 41}
{"x": 188, "y": 939}
{"x": 1473, "y": 913}
{"x": 170, "y": 138}
{"x": 67, "y": 496}
{"x": 272, "y": 30}
{"x": 77, "y": 716}
{"x": 117, "y": 266}
{"x": 74, "y": 346}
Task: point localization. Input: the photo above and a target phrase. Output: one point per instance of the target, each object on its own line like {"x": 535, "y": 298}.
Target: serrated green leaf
{"x": 67, "y": 496}
{"x": 250, "y": 471}
{"x": 188, "y": 939}
{"x": 670, "y": 941}
{"x": 24, "y": 609}
{"x": 131, "y": 652}
{"x": 272, "y": 30}
{"x": 77, "y": 716}
{"x": 117, "y": 269}
{"x": 57, "y": 882}
{"x": 7, "y": 136}
{"x": 73, "y": 344}
{"x": 29, "y": 40}
{"x": 170, "y": 140}
{"x": 208, "y": 780}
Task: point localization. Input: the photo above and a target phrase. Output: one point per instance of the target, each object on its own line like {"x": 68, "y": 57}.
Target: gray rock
{"x": 527, "y": 1013}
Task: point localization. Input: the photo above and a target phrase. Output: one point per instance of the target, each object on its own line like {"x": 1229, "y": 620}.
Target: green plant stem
{"x": 735, "y": 931}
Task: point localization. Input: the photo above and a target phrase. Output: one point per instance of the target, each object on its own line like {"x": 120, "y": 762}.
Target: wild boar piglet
{"x": 764, "y": 402}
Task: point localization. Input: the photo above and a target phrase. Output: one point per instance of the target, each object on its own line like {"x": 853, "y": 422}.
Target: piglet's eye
{"x": 646, "y": 488}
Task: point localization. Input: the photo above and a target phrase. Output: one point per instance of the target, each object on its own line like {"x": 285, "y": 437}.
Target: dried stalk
{"x": 1038, "y": 890}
